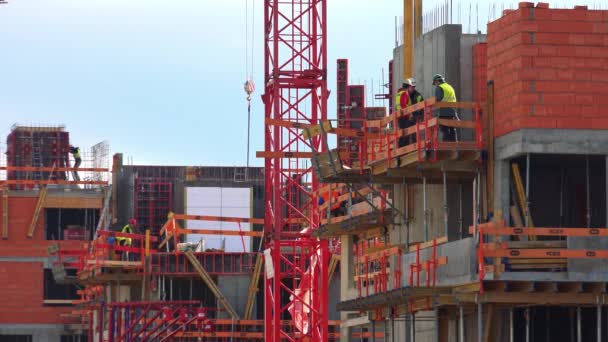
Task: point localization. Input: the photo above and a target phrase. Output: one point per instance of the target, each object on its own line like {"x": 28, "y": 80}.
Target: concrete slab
{"x": 551, "y": 141}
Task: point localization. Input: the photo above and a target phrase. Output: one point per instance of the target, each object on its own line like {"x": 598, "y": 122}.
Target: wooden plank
{"x": 41, "y": 198}
{"x": 59, "y": 201}
{"x": 333, "y": 264}
{"x": 516, "y": 216}
{"x": 211, "y": 284}
{"x": 521, "y": 194}
{"x": 4, "y": 213}
{"x": 253, "y": 286}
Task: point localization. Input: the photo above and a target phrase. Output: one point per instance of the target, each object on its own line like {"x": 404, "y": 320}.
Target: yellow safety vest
{"x": 398, "y": 99}
{"x": 126, "y": 229}
{"x": 449, "y": 95}
{"x": 77, "y": 154}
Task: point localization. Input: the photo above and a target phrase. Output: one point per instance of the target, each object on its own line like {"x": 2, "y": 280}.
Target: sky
{"x": 161, "y": 80}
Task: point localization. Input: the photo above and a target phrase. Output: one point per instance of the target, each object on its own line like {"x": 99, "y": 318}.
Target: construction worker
{"x": 336, "y": 207}
{"x": 398, "y": 97}
{"x": 128, "y": 228}
{"x": 415, "y": 97}
{"x": 75, "y": 151}
{"x": 446, "y": 93}
{"x": 410, "y": 97}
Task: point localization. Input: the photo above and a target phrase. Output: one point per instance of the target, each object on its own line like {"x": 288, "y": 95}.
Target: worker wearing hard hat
{"x": 411, "y": 97}
{"x": 399, "y": 97}
{"x": 128, "y": 228}
{"x": 75, "y": 151}
{"x": 446, "y": 93}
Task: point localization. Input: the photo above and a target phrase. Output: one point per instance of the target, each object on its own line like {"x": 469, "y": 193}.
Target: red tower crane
{"x": 295, "y": 85}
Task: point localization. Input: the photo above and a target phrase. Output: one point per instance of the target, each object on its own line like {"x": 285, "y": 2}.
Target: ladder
{"x": 37, "y": 157}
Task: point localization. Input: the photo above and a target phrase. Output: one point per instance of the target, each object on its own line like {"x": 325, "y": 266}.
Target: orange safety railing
{"x": 336, "y": 196}
{"x": 372, "y": 265}
{"x": 425, "y": 131}
{"x": 102, "y": 252}
{"x": 495, "y": 256}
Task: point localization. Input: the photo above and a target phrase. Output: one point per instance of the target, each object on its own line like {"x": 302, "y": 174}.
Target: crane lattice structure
{"x": 295, "y": 86}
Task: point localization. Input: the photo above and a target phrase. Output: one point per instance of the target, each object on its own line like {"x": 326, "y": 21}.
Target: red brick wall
{"x": 550, "y": 68}
{"x": 21, "y": 293}
{"x": 480, "y": 72}
{"x": 20, "y": 212}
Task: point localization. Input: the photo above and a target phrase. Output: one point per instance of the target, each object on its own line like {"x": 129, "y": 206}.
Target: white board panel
{"x": 225, "y": 202}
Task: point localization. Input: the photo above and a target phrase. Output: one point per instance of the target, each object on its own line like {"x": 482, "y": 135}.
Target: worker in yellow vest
{"x": 128, "y": 228}
{"x": 446, "y": 93}
{"x": 75, "y": 151}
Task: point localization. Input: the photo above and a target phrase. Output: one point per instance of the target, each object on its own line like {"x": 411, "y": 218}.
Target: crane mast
{"x": 295, "y": 90}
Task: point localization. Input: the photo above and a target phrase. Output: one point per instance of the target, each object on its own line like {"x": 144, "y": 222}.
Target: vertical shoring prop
{"x": 527, "y": 190}
{"x": 425, "y": 209}
{"x": 445, "y": 203}
{"x": 461, "y": 323}
{"x": 511, "y": 329}
{"x": 599, "y": 320}
{"x": 588, "y": 192}
{"x": 407, "y": 215}
{"x": 461, "y": 212}
{"x": 579, "y": 331}
{"x": 527, "y": 314}
{"x": 479, "y": 321}
{"x": 413, "y": 322}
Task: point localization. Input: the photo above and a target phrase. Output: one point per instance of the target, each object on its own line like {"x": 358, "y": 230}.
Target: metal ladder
{"x": 37, "y": 158}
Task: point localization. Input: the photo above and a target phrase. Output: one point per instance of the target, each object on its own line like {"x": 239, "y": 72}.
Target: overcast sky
{"x": 161, "y": 80}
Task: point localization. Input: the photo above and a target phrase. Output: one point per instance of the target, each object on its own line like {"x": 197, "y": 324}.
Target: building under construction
{"x": 355, "y": 229}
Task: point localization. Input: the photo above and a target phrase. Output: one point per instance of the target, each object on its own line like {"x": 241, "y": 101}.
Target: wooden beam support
{"x": 211, "y": 284}
{"x": 253, "y": 286}
{"x": 41, "y": 198}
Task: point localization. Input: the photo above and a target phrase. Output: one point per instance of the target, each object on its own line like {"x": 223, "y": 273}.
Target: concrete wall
{"x": 444, "y": 50}
{"x": 236, "y": 289}
{"x": 460, "y": 211}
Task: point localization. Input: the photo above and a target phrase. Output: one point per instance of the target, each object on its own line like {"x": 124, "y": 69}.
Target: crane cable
{"x": 249, "y": 86}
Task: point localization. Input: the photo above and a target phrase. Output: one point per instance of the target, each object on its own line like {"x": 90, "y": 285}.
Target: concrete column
{"x": 502, "y": 192}
{"x": 346, "y": 276}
